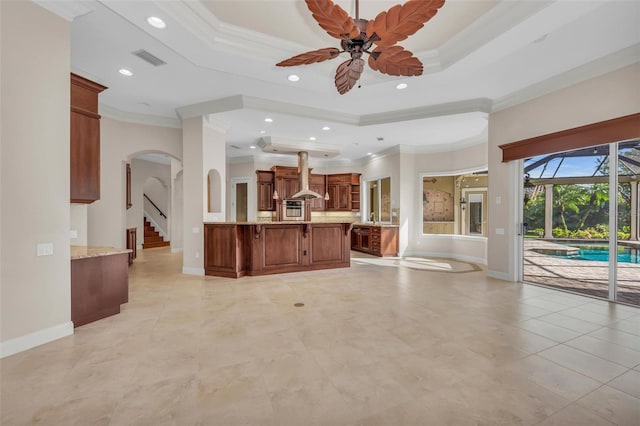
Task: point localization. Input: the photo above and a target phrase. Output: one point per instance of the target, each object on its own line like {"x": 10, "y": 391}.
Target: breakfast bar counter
{"x": 235, "y": 249}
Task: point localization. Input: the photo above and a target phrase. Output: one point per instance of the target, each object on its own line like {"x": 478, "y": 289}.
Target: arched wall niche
{"x": 214, "y": 192}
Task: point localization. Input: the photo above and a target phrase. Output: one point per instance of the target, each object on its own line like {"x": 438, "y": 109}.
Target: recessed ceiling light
{"x": 262, "y": 132}
{"x": 156, "y": 22}
{"x": 252, "y": 147}
{"x": 326, "y": 128}
{"x": 368, "y": 153}
{"x": 268, "y": 120}
{"x": 125, "y": 72}
{"x": 401, "y": 86}
{"x": 293, "y": 77}
{"x": 312, "y": 138}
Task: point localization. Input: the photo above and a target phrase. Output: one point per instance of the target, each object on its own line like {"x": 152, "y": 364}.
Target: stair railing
{"x": 154, "y": 205}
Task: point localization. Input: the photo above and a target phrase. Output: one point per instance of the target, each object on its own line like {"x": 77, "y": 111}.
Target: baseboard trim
{"x": 193, "y": 271}
{"x": 445, "y": 255}
{"x": 37, "y": 338}
{"x": 500, "y": 276}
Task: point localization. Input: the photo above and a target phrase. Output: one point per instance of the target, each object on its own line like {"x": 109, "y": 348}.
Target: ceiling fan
{"x": 357, "y": 36}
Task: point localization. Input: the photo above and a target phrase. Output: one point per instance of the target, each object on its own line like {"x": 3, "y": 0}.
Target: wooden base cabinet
{"x": 378, "y": 240}
{"x": 99, "y": 285}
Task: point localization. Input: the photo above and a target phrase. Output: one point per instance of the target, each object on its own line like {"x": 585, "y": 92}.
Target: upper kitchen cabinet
{"x": 266, "y": 185}
{"x": 287, "y": 181}
{"x": 343, "y": 190}
{"x": 85, "y": 140}
{"x": 317, "y": 183}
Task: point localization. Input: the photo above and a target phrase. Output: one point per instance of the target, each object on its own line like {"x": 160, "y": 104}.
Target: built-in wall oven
{"x": 293, "y": 210}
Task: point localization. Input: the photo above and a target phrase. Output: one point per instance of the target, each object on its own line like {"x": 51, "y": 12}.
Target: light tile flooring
{"x": 380, "y": 343}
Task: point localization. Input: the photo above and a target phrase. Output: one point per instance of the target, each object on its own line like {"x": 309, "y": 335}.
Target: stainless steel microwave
{"x": 293, "y": 210}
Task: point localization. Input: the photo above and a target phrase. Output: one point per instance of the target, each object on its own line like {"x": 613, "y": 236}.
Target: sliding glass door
{"x": 627, "y": 271}
{"x": 579, "y": 209}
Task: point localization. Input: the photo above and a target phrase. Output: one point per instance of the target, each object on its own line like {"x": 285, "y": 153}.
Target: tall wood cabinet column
{"x": 85, "y": 140}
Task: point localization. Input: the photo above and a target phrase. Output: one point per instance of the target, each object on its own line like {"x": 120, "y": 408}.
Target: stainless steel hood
{"x": 303, "y": 169}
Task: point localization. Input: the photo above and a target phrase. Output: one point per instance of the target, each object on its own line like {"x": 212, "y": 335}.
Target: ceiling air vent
{"x": 148, "y": 57}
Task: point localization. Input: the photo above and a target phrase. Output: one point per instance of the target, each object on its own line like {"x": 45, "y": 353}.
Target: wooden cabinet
{"x": 266, "y": 186}
{"x": 376, "y": 240}
{"x": 132, "y": 243}
{"x": 355, "y": 192}
{"x": 287, "y": 181}
{"x": 317, "y": 184}
{"x": 341, "y": 192}
{"x": 234, "y": 250}
{"x": 84, "y": 140}
{"x": 99, "y": 285}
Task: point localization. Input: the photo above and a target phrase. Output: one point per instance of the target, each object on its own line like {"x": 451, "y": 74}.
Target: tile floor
{"x": 380, "y": 343}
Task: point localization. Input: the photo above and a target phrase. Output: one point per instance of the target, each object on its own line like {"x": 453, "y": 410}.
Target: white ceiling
{"x": 479, "y": 56}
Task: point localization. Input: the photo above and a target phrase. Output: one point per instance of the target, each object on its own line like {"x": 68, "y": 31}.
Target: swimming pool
{"x": 600, "y": 252}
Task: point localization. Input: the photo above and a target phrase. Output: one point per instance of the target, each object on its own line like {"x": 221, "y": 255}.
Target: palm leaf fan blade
{"x": 395, "y": 60}
{"x": 333, "y": 19}
{"x": 311, "y": 57}
{"x": 400, "y": 22}
{"x": 348, "y": 74}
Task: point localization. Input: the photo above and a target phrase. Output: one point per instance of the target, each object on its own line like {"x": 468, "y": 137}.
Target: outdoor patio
{"x": 582, "y": 276}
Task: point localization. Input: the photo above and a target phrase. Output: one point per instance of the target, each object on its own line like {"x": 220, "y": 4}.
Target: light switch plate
{"x": 73, "y": 233}
{"x": 45, "y": 249}
{"x": 195, "y": 230}
{"x": 499, "y": 231}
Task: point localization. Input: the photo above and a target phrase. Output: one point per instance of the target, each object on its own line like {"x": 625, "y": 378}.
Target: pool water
{"x": 601, "y": 253}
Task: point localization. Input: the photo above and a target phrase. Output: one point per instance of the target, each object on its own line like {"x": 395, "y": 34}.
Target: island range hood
{"x": 303, "y": 169}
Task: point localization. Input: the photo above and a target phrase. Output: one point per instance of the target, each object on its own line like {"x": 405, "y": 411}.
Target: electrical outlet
{"x": 195, "y": 230}
{"x": 197, "y": 255}
{"x": 73, "y": 233}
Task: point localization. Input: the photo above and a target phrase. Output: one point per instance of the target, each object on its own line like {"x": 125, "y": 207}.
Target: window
{"x": 379, "y": 194}
{"x": 455, "y": 204}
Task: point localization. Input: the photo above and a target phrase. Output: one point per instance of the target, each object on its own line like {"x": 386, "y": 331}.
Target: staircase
{"x": 151, "y": 237}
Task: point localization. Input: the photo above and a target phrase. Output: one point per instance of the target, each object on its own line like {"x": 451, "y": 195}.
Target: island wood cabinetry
{"x": 84, "y": 140}
{"x": 378, "y": 240}
{"x": 99, "y": 282}
{"x": 237, "y": 249}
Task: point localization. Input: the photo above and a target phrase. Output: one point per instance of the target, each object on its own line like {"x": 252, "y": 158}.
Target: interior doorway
{"x": 241, "y": 202}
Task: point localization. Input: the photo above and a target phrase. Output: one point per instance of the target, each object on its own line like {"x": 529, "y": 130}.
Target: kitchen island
{"x": 236, "y": 249}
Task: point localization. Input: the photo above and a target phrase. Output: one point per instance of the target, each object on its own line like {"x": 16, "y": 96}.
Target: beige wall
{"x": 612, "y": 95}
{"x": 471, "y": 158}
{"x": 176, "y": 227}
{"x": 35, "y": 291}
{"x": 120, "y": 141}
{"x": 78, "y": 224}
{"x": 194, "y": 187}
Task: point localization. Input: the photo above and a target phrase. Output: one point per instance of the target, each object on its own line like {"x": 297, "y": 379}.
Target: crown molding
{"x": 449, "y": 108}
{"x": 137, "y": 118}
{"x": 222, "y": 36}
{"x": 600, "y": 66}
{"x": 487, "y": 27}
{"x": 67, "y": 10}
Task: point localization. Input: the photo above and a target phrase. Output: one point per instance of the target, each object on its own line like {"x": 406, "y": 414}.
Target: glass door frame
{"x": 613, "y": 222}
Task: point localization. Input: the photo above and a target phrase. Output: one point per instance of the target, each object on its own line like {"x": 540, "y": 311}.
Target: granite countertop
{"x": 83, "y": 252}
{"x": 381, "y": 225}
{"x": 283, "y": 222}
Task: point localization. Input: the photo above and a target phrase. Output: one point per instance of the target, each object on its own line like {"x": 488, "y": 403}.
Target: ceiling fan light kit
{"x": 358, "y": 36}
